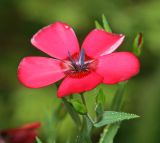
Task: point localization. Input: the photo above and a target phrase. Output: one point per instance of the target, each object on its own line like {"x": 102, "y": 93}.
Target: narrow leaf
{"x": 78, "y": 106}
{"x": 98, "y": 26}
{"x": 85, "y": 134}
{"x": 105, "y": 24}
{"x": 137, "y": 44}
{"x": 118, "y": 97}
{"x": 71, "y": 111}
{"x": 100, "y": 102}
{"x": 38, "y": 140}
{"x": 100, "y": 98}
{"x": 99, "y": 111}
{"x": 110, "y": 117}
{"x": 109, "y": 133}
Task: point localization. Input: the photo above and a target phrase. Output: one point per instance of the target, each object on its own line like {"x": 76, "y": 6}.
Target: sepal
{"x": 78, "y": 106}
{"x": 137, "y": 44}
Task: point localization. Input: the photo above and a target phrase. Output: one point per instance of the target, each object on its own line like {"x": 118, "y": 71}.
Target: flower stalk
{"x": 110, "y": 131}
{"x": 72, "y": 112}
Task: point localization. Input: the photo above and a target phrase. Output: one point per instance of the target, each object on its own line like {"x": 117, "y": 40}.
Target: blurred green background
{"x": 20, "y": 19}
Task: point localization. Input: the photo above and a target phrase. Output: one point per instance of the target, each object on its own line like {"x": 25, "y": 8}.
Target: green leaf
{"x": 105, "y": 24}
{"x": 71, "y": 111}
{"x": 99, "y": 111}
{"x": 98, "y": 26}
{"x": 100, "y": 102}
{"x": 118, "y": 97}
{"x": 85, "y": 134}
{"x": 137, "y": 44}
{"x": 109, "y": 133}
{"x": 59, "y": 112}
{"x": 100, "y": 98}
{"x": 110, "y": 117}
{"x": 78, "y": 106}
{"x": 38, "y": 140}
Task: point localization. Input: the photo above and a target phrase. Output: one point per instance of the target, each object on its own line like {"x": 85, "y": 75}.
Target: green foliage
{"x": 38, "y": 140}
{"x": 100, "y": 98}
{"x": 137, "y": 44}
{"x": 85, "y": 133}
{"x": 98, "y": 25}
{"x": 51, "y": 121}
{"x": 71, "y": 111}
{"x": 100, "y": 103}
{"x": 110, "y": 117}
{"x": 109, "y": 133}
{"x": 105, "y": 26}
{"x": 118, "y": 97}
{"x": 78, "y": 106}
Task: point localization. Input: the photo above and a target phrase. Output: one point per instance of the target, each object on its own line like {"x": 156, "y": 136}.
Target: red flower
{"x": 83, "y": 69}
{"x": 24, "y": 134}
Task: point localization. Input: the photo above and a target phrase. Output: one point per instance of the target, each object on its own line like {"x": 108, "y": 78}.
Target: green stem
{"x": 83, "y": 99}
{"x": 70, "y": 109}
{"x": 72, "y": 112}
{"x": 110, "y": 131}
{"x": 87, "y": 126}
{"x": 85, "y": 133}
{"x": 118, "y": 97}
{"x": 84, "y": 102}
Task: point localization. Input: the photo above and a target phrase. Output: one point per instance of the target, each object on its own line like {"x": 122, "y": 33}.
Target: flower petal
{"x": 56, "y": 40}
{"x": 117, "y": 67}
{"x": 72, "y": 85}
{"x": 24, "y": 134}
{"x": 100, "y": 42}
{"x": 26, "y": 127}
{"x": 31, "y": 126}
{"x": 35, "y": 72}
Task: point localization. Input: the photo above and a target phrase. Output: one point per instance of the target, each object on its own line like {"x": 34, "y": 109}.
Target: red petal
{"x": 24, "y": 134}
{"x": 26, "y": 127}
{"x": 100, "y": 42}
{"x": 23, "y": 137}
{"x": 35, "y": 72}
{"x": 72, "y": 85}
{"x": 31, "y": 126}
{"x": 56, "y": 40}
{"x": 117, "y": 67}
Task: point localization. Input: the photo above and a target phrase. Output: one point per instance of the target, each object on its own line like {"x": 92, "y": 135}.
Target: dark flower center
{"x": 79, "y": 67}
{"x": 80, "y": 64}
